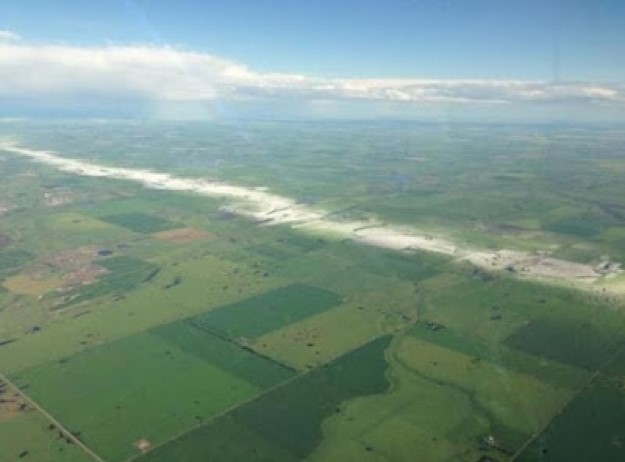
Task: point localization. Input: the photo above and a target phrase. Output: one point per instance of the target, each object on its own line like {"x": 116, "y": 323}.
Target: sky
{"x": 334, "y": 58}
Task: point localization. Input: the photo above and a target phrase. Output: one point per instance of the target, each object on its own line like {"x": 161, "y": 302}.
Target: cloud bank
{"x": 168, "y": 74}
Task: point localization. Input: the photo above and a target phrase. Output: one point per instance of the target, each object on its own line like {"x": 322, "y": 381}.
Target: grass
{"x": 297, "y": 409}
{"x": 441, "y": 405}
{"x": 509, "y": 357}
{"x": 301, "y": 243}
{"x": 269, "y": 311}
{"x": 142, "y": 308}
{"x": 138, "y": 387}
{"x": 30, "y": 434}
{"x": 553, "y": 372}
{"x": 27, "y": 285}
{"x": 592, "y": 427}
{"x": 125, "y": 273}
{"x": 496, "y": 307}
{"x": 415, "y": 416}
{"x": 240, "y": 362}
{"x": 272, "y": 252}
{"x": 284, "y": 424}
{"x": 583, "y": 345}
{"x": 59, "y": 230}
{"x": 581, "y": 227}
{"x": 226, "y": 439}
{"x": 320, "y": 338}
{"x": 414, "y": 267}
{"x": 140, "y": 222}
{"x": 440, "y": 412}
{"x": 503, "y": 398}
{"x": 12, "y": 261}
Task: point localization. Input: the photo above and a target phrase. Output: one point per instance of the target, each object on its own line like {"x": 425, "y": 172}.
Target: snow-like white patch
{"x": 266, "y": 208}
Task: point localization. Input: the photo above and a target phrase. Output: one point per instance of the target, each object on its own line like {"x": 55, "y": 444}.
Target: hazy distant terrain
{"x": 246, "y": 341}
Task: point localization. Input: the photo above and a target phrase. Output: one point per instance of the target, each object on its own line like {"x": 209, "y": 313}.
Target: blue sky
{"x": 390, "y": 38}
{"x": 530, "y": 40}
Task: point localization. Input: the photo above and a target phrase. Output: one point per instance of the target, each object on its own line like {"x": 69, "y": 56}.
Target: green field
{"x": 140, "y": 222}
{"x": 267, "y": 312}
{"x": 278, "y": 343}
{"x": 240, "y": 362}
{"x": 592, "y": 427}
{"x": 113, "y": 394}
{"x": 29, "y": 437}
{"x": 501, "y": 354}
{"x": 284, "y": 423}
{"x": 124, "y": 274}
{"x": 582, "y": 345}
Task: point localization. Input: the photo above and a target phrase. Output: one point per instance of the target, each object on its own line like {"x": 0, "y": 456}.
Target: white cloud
{"x": 167, "y": 74}
{"x": 8, "y": 36}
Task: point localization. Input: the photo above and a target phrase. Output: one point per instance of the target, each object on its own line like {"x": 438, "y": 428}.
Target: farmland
{"x": 148, "y": 324}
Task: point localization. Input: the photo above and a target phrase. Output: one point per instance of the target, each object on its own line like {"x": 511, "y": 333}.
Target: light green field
{"x": 30, "y": 432}
{"x": 141, "y": 387}
{"x": 440, "y": 405}
{"x": 321, "y": 338}
{"x": 518, "y": 401}
{"x": 143, "y": 308}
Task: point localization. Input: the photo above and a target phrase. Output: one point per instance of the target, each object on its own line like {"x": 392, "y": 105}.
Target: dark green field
{"x": 499, "y": 353}
{"x": 238, "y": 361}
{"x": 582, "y": 344}
{"x": 267, "y": 312}
{"x": 284, "y": 423}
{"x": 584, "y": 227}
{"x": 140, "y": 222}
{"x": 592, "y": 427}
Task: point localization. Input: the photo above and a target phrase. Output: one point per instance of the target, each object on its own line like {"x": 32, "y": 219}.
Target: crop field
{"x": 27, "y": 434}
{"x": 286, "y": 421}
{"x": 153, "y": 325}
{"x": 113, "y": 403}
{"x": 29, "y": 437}
{"x": 269, "y": 311}
{"x": 140, "y": 222}
{"x": 238, "y": 361}
{"x": 580, "y": 433}
{"x": 591, "y": 427}
{"x": 582, "y": 345}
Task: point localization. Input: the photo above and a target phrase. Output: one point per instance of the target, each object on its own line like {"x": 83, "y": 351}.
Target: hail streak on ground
{"x": 274, "y": 209}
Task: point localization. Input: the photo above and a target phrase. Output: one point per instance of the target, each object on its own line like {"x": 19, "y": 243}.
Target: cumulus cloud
{"x": 168, "y": 74}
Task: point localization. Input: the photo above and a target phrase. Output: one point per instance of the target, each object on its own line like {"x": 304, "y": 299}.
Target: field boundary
{"x": 587, "y": 384}
{"x": 253, "y": 398}
{"x": 67, "y": 433}
{"x": 208, "y": 331}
